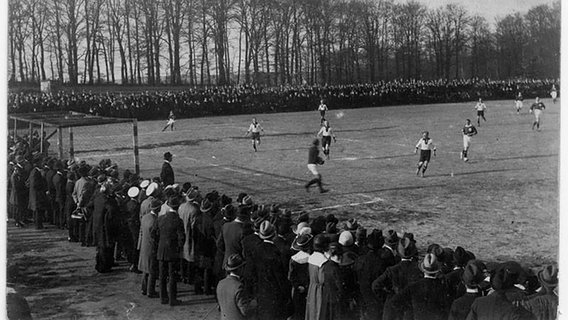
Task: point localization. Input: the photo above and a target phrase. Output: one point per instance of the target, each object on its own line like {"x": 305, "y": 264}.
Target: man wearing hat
{"x": 59, "y": 180}
{"x": 37, "y": 200}
{"x": 18, "y": 192}
{"x": 234, "y": 303}
{"x": 496, "y": 305}
{"x": 396, "y": 278}
{"x": 272, "y": 286}
{"x": 229, "y": 240}
{"x": 170, "y": 235}
{"x": 544, "y": 305}
{"x": 82, "y": 192}
{"x": 132, "y": 207}
{"x": 152, "y": 193}
{"x": 187, "y": 211}
{"x": 313, "y": 160}
{"x": 298, "y": 274}
{"x": 472, "y": 275}
{"x": 390, "y": 247}
{"x": 454, "y": 277}
{"x": 203, "y": 243}
{"x": 167, "y": 174}
{"x": 428, "y": 298}
{"x": 148, "y": 262}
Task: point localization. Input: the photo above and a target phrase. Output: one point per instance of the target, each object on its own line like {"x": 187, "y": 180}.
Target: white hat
{"x": 133, "y": 192}
{"x": 151, "y": 188}
{"x": 144, "y": 184}
{"x": 346, "y": 239}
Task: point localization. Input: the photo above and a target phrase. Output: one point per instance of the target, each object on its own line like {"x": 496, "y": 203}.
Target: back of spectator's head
{"x": 225, "y": 200}
{"x": 240, "y": 197}
{"x": 83, "y": 171}
{"x": 430, "y": 265}
{"x": 346, "y": 239}
{"x": 174, "y": 202}
{"x": 548, "y": 277}
{"x": 302, "y": 243}
{"x": 361, "y": 235}
{"x": 335, "y": 249}
{"x": 436, "y": 250}
{"x": 460, "y": 257}
{"x": 321, "y": 243}
{"x": 185, "y": 187}
{"x": 234, "y": 263}
{"x": 303, "y": 217}
{"x": 473, "y": 273}
{"x": 502, "y": 279}
{"x": 206, "y": 205}
{"x": 351, "y": 225}
{"x": 228, "y": 212}
{"x": 516, "y": 272}
{"x": 243, "y": 213}
{"x": 375, "y": 240}
{"x": 391, "y": 239}
{"x": 406, "y": 248}
{"x": 267, "y": 230}
{"x": 152, "y": 190}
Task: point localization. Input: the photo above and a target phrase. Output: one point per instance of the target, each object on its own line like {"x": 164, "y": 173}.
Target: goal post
{"x": 79, "y": 135}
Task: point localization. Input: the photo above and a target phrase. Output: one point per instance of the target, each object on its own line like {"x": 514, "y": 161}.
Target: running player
{"x": 468, "y": 132}
{"x": 255, "y": 130}
{"x": 553, "y": 93}
{"x": 326, "y": 133}
{"x": 426, "y": 146}
{"x": 313, "y": 160}
{"x": 480, "y": 107}
{"x": 519, "y": 102}
{"x": 171, "y": 121}
{"x": 322, "y": 108}
{"x": 537, "y": 108}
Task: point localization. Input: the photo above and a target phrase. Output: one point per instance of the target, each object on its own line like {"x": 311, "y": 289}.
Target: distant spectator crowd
{"x": 197, "y": 102}
{"x": 260, "y": 260}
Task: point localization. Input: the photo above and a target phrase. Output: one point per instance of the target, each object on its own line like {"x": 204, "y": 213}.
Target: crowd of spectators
{"x": 262, "y": 261}
{"x": 207, "y": 101}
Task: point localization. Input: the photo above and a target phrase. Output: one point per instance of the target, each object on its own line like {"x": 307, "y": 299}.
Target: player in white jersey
{"x": 255, "y": 130}
{"x": 553, "y": 93}
{"x": 322, "y": 108}
{"x": 537, "y": 108}
{"x": 519, "y": 102}
{"x": 468, "y": 131}
{"x": 480, "y": 107}
{"x": 326, "y": 133}
{"x": 426, "y": 146}
{"x": 171, "y": 121}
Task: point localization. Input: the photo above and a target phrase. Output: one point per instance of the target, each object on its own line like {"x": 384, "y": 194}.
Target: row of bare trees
{"x": 273, "y": 42}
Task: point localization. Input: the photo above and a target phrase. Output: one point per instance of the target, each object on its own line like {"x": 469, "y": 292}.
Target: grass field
{"x": 502, "y": 204}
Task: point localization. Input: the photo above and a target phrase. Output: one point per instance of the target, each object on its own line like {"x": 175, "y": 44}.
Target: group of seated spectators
{"x": 263, "y": 261}
{"x": 206, "y": 101}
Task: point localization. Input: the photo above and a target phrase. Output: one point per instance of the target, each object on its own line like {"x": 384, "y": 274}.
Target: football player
{"x": 468, "y": 131}
{"x": 426, "y": 146}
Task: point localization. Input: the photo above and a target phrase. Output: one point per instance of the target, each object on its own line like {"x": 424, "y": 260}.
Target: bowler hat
{"x": 302, "y": 242}
{"x": 267, "y": 230}
{"x": 206, "y": 205}
{"x": 155, "y": 205}
{"x": 375, "y": 240}
{"x": 548, "y": 276}
{"x": 228, "y": 212}
{"x": 243, "y": 213}
{"x": 502, "y": 279}
{"x": 257, "y": 223}
{"x": 406, "y": 248}
{"x": 174, "y": 202}
{"x": 473, "y": 273}
{"x": 430, "y": 265}
{"x": 299, "y": 227}
{"x": 234, "y": 262}
{"x": 247, "y": 201}
{"x": 460, "y": 257}
{"x": 133, "y": 192}
{"x": 167, "y": 155}
{"x": 391, "y": 238}
{"x": 192, "y": 194}
{"x": 351, "y": 224}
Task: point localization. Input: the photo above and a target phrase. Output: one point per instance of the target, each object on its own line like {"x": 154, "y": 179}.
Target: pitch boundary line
{"x": 354, "y": 204}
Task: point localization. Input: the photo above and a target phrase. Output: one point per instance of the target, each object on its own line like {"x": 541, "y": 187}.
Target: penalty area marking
{"x": 354, "y": 204}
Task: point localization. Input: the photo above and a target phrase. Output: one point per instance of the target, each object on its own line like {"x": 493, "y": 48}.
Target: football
{"x": 339, "y": 114}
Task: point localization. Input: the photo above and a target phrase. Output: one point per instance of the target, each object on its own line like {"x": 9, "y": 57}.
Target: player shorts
{"x": 537, "y": 114}
{"x": 313, "y": 169}
{"x": 170, "y": 121}
{"x": 255, "y": 136}
{"x": 325, "y": 141}
{"x": 554, "y": 94}
{"x": 480, "y": 113}
{"x": 519, "y": 104}
{"x": 425, "y": 155}
{"x": 322, "y": 113}
{"x": 466, "y": 141}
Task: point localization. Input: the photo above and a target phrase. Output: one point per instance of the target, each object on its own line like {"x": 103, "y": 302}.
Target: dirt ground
{"x": 502, "y": 204}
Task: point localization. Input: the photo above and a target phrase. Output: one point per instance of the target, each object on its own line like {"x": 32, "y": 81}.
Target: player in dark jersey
{"x": 468, "y": 131}
{"x": 314, "y": 160}
{"x": 537, "y": 108}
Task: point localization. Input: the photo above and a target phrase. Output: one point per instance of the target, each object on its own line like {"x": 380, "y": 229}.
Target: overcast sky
{"x": 490, "y": 9}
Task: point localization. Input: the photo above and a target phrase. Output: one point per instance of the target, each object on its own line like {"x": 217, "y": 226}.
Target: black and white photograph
{"x": 282, "y": 159}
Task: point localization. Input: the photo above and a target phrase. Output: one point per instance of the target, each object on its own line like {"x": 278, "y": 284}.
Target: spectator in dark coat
{"x": 70, "y": 206}
{"x": 273, "y": 288}
{"x": 59, "y": 181}
{"x": 234, "y": 303}
{"x": 202, "y": 235}
{"x": 298, "y": 274}
{"x": 396, "y": 278}
{"x": 369, "y": 267}
{"x": 454, "y": 277}
{"x": 228, "y": 212}
{"x": 49, "y": 172}
{"x": 147, "y": 261}
{"x": 167, "y": 174}
{"x": 230, "y": 238}
{"x": 105, "y": 214}
{"x": 496, "y": 305}
{"x": 37, "y": 200}
{"x": 473, "y": 274}
{"x": 169, "y": 232}
{"x": 18, "y": 193}
{"x": 251, "y": 240}
{"x": 389, "y": 248}
{"x": 428, "y": 298}
{"x": 187, "y": 211}
{"x": 544, "y": 305}
{"x": 132, "y": 208}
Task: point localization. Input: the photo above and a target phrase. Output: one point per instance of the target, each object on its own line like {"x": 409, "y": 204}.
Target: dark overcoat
{"x": 169, "y": 232}
{"x": 37, "y": 199}
{"x": 147, "y": 260}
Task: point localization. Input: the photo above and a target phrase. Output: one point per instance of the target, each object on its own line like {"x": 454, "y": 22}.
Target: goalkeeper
{"x": 313, "y": 160}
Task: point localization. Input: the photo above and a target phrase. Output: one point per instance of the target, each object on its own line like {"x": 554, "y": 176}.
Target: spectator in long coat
{"x": 454, "y": 277}
{"x": 203, "y": 242}
{"x": 369, "y": 267}
{"x": 59, "y": 182}
{"x": 18, "y": 193}
{"x": 250, "y": 241}
{"x": 428, "y": 298}
{"x": 170, "y": 234}
{"x": 148, "y": 262}
{"x": 105, "y": 213}
{"x": 473, "y": 274}
{"x": 37, "y": 200}
{"x": 324, "y": 292}
{"x": 544, "y": 305}
{"x": 273, "y": 288}
{"x": 132, "y": 211}
{"x": 230, "y": 238}
{"x": 49, "y": 172}
{"x": 496, "y": 305}
{"x": 234, "y": 303}
{"x": 152, "y": 193}
{"x": 396, "y": 278}
{"x": 167, "y": 174}
{"x": 70, "y": 206}
{"x": 298, "y": 274}
{"x": 228, "y": 212}
{"x": 187, "y": 211}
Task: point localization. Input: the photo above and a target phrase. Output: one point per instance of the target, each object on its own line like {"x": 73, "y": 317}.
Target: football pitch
{"x": 502, "y": 204}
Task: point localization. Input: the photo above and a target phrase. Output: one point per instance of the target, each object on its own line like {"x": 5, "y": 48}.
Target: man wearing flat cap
{"x": 169, "y": 232}
{"x": 428, "y": 298}
{"x": 167, "y": 174}
{"x": 234, "y": 303}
